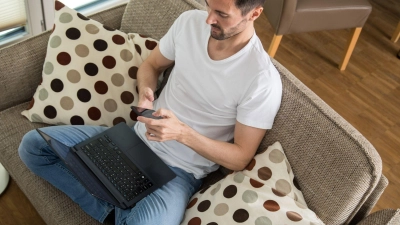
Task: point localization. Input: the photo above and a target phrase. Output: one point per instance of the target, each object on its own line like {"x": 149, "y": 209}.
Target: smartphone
{"x": 145, "y": 112}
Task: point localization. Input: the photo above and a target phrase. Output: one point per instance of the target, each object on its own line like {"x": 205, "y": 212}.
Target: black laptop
{"x": 115, "y": 165}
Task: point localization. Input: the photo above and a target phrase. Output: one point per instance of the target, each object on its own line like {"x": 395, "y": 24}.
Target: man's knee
{"x": 29, "y": 146}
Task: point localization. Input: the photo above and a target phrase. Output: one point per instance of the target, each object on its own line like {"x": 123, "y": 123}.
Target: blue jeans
{"x": 164, "y": 206}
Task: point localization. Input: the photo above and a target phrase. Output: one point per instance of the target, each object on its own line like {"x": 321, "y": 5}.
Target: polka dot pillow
{"x": 89, "y": 74}
{"x": 263, "y": 194}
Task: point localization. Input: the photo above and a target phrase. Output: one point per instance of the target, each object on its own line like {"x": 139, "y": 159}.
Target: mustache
{"x": 216, "y": 26}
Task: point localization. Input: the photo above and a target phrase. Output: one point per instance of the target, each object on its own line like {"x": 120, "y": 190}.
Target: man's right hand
{"x": 146, "y": 98}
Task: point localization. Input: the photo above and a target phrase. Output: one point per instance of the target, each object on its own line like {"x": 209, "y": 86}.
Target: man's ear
{"x": 255, "y": 13}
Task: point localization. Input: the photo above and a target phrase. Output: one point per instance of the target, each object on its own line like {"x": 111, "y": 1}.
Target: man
{"x": 222, "y": 95}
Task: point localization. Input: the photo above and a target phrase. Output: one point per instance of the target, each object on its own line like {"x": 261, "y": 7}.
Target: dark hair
{"x": 247, "y": 5}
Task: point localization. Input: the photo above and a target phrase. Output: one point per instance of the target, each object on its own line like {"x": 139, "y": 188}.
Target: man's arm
{"x": 234, "y": 156}
{"x": 147, "y": 76}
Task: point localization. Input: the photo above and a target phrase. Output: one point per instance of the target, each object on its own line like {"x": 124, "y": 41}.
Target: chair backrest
{"x": 335, "y": 166}
{"x": 297, "y": 16}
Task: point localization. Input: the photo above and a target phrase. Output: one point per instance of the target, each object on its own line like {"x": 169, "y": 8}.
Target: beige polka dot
{"x": 92, "y": 29}
{"x": 48, "y": 68}
{"x": 221, "y": 209}
{"x": 239, "y": 177}
{"x": 283, "y": 186}
{"x": 73, "y": 76}
{"x": 126, "y": 55}
{"x": 117, "y": 79}
{"x": 36, "y": 118}
{"x": 55, "y": 41}
{"x": 43, "y": 94}
{"x": 276, "y": 156}
{"x": 65, "y": 18}
{"x": 216, "y": 189}
{"x": 67, "y": 103}
{"x": 249, "y": 196}
{"x": 110, "y": 105}
{"x": 82, "y": 50}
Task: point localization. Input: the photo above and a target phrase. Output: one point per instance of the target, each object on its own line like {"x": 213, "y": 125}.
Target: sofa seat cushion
{"x": 264, "y": 193}
{"x": 89, "y": 74}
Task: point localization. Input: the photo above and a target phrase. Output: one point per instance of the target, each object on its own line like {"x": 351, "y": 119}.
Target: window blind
{"x": 12, "y": 14}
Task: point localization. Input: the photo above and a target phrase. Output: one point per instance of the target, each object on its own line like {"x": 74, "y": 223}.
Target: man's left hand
{"x": 166, "y": 129}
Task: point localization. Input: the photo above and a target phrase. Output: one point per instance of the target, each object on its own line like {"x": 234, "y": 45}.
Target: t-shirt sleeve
{"x": 261, "y": 102}
{"x": 167, "y": 42}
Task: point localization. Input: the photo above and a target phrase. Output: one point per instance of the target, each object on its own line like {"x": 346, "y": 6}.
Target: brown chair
{"x": 297, "y": 16}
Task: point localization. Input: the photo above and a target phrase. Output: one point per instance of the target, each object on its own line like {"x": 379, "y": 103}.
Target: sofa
{"x": 340, "y": 173}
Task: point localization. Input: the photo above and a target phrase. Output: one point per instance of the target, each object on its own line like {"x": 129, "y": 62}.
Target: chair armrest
{"x": 382, "y": 217}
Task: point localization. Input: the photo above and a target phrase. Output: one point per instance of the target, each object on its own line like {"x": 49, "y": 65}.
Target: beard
{"x": 220, "y": 34}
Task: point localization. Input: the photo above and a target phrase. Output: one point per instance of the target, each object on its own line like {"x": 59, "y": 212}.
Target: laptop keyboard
{"x": 118, "y": 169}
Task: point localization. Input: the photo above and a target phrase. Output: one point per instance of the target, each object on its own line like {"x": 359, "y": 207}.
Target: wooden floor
{"x": 367, "y": 94}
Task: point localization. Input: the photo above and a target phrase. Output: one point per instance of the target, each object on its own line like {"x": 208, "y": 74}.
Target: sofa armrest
{"x": 371, "y": 201}
{"x": 382, "y": 217}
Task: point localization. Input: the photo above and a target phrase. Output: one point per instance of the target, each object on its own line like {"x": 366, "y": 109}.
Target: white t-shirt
{"x": 208, "y": 95}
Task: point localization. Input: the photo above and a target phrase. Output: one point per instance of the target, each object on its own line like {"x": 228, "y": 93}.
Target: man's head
{"x": 229, "y": 18}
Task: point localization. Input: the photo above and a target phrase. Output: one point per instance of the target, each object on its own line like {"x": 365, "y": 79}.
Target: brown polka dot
{"x": 118, "y": 39}
{"x": 127, "y": 97}
{"x": 31, "y": 104}
{"x": 101, "y": 87}
{"x": 138, "y": 49}
{"x": 195, "y": 221}
{"x": 94, "y": 113}
{"x": 91, "y": 69}
{"x": 77, "y": 120}
{"x": 50, "y": 112}
{"x": 84, "y": 95}
{"x": 251, "y": 164}
{"x": 118, "y": 120}
{"x": 293, "y": 216}
{"x": 271, "y": 205}
{"x": 100, "y": 45}
{"x": 277, "y": 193}
{"x": 192, "y": 203}
{"x": 264, "y": 173}
{"x": 58, "y": 5}
{"x": 133, "y": 72}
{"x": 73, "y": 33}
{"x": 255, "y": 183}
{"x": 212, "y": 223}
{"x": 57, "y": 85}
{"x": 150, "y": 44}
{"x": 109, "y": 62}
{"x": 82, "y": 17}
{"x": 143, "y": 36}
{"x": 204, "y": 205}
{"x": 240, "y": 215}
{"x": 230, "y": 191}
{"x": 63, "y": 58}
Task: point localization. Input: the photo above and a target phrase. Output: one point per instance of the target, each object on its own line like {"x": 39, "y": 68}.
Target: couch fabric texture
{"x": 338, "y": 171}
